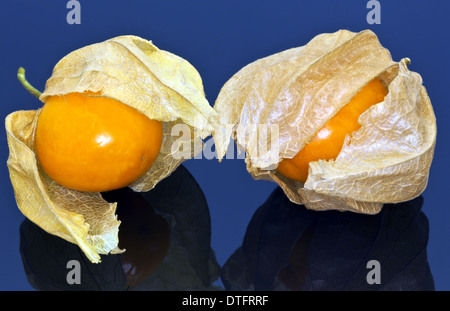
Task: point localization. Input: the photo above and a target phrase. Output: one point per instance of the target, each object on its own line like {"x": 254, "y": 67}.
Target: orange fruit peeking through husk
{"x": 91, "y": 143}
{"x": 327, "y": 143}
{"x": 350, "y": 128}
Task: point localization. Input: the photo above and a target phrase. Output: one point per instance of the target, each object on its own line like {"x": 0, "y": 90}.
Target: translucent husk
{"x": 386, "y": 161}
{"x": 132, "y": 70}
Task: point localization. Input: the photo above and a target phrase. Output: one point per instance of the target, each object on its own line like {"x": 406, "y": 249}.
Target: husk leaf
{"x": 161, "y": 85}
{"x": 82, "y": 218}
{"x": 386, "y": 161}
{"x": 132, "y": 70}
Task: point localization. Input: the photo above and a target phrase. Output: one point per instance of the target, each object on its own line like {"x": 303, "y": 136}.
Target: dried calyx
{"x": 135, "y": 72}
{"x": 298, "y": 90}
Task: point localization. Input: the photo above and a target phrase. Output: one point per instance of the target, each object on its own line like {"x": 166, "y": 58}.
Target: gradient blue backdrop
{"x": 218, "y": 38}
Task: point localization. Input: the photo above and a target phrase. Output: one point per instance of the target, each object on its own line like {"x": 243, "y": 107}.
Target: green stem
{"x": 26, "y": 85}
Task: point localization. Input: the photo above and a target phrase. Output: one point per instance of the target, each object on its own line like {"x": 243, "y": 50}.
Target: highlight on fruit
{"x": 327, "y": 142}
{"x": 104, "y": 122}
{"x": 355, "y": 129}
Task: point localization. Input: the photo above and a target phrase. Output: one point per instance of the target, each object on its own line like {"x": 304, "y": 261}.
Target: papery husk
{"x": 132, "y": 70}
{"x": 161, "y": 85}
{"x": 386, "y": 161}
{"x": 83, "y": 218}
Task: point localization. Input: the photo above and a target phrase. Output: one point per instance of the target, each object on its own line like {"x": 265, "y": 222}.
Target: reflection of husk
{"x": 132, "y": 70}
{"x": 386, "y": 161}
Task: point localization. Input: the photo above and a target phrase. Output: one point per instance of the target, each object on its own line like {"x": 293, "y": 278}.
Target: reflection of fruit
{"x": 293, "y": 275}
{"x": 143, "y": 234}
{"x": 328, "y": 141}
{"x": 93, "y": 143}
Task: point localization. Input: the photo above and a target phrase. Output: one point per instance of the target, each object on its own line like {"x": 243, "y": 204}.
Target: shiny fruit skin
{"x": 94, "y": 143}
{"x": 328, "y": 141}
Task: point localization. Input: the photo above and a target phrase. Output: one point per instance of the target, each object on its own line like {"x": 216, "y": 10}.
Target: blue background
{"x": 219, "y": 38}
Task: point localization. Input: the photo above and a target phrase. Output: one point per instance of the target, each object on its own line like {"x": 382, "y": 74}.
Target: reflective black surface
{"x": 166, "y": 233}
{"x": 45, "y": 259}
{"x": 287, "y": 247}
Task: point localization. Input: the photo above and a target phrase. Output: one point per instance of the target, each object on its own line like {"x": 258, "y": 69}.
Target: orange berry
{"x": 94, "y": 143}
{"x": 328, "y": 141}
